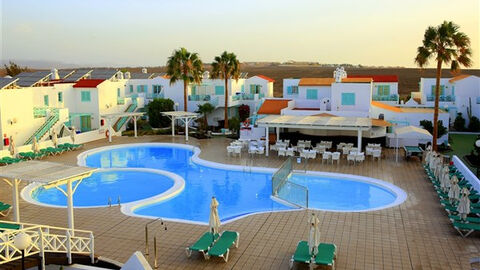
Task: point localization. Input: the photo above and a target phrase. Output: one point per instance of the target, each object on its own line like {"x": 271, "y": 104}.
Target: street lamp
{"x": 22, "y": 241}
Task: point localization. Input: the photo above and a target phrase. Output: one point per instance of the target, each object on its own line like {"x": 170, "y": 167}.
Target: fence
{"x": 286, "y": 190}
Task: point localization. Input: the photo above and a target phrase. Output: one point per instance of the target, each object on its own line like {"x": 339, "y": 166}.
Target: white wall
{"x": 363, "y": 96}
{"x": 286, "y": 84}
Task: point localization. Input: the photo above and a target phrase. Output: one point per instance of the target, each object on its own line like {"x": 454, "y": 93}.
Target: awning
{"x": 316, "y": 122}
{"x": 412, "y": 132}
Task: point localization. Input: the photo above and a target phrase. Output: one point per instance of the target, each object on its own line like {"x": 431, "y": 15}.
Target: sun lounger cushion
{"x": 302, "y": 253}
{"x": 222, "y": 245}
{"x": 326, "y": 254}
{"x": 8, "y": 226}
{"x": 204, "y": 243}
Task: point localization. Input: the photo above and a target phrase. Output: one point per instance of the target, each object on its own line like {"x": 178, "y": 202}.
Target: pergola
{"x": 186, "y": 117}
{"x": 315, "y": 122}
{"x": 50, "y": 174}
{"x": 111, "y": 116}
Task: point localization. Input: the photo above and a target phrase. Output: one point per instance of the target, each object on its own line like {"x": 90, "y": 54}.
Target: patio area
{"x": 415, "y": 235}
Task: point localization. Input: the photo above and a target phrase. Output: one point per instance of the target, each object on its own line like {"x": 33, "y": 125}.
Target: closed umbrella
{"x": 463, "y": 207}
{"x": 35, "y": 147}
{"x": 314, "y": 236}
{"x": 454, "y": 192}
{"x": 72, "y": 134}
{"x": 214, "y": 221}
{"x": 11, "y": 147}
{"x": 54, "y": 138}
{"x": 446, "y": 179}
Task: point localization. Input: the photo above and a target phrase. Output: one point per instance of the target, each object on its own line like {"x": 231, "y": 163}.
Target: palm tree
{"x": 205, "y": 109}
{"x": 446, "y": 45}
{"x": 226, "y": 66}
{"x": 186, "y": 66}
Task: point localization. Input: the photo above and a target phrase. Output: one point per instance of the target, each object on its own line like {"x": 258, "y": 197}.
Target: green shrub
{"x": 234, "y": 124}
{"x": 474, "y": 125}
{"x": 154, "y": 110}
{"x": 459, "y": 123}
{"x": 426, "y": 124}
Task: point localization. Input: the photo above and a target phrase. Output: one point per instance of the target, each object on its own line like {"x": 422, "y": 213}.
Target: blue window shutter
{"x": 289, "y": 90}
{"x": 219, "y": 90}
{"x": 312, "y": 94}
{"x": 348, "y": 98}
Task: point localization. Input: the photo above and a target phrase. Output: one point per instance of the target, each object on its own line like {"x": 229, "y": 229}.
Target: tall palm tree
{"x": 205, "y": 109}
{"x": 186, "y": 66}
{"x": 226, "y": 66}
{"x": 446, "y": 44}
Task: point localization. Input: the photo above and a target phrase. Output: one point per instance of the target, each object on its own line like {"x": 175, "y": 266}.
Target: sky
{"x": 145, "y": 32}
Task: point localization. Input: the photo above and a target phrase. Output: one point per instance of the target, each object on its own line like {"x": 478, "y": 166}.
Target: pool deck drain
{"x": 414, "y": 235}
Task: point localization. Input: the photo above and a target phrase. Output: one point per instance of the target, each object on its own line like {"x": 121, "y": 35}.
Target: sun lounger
{"x": 326, "y": 254}
{"x": 203, "y": 244}
{"x": 8, "y": 226}
{"x": 465, "y": 229}
{"x": 455, "y": 218}
{"x": 302, "y": 254}
{"x": 221, "y": 248}
{"x": 5, "y": 209}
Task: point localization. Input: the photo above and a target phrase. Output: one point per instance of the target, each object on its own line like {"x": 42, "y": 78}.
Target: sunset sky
{"x": 144, "y": 32}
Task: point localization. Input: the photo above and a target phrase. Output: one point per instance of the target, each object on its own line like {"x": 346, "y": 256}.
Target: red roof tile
{"x": 88, "y": 83}
{"x": 266, "y": 78}
{"x": 273, "y": 106}
{"x": 377, "y": 78}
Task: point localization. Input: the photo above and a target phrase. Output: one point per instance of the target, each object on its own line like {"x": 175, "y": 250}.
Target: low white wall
{"x": 469, "y": 175}
{"x": 336, "y": 113}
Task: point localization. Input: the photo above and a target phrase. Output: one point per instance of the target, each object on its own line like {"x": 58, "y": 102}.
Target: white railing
{"x": 469, "y": 175}
{"x": 46, "y": 239}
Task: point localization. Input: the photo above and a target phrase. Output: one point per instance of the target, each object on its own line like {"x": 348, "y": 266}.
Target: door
{"x": 85, "y": 123}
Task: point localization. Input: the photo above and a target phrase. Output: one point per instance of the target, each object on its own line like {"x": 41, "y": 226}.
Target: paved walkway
{"x": 415, "y": 235}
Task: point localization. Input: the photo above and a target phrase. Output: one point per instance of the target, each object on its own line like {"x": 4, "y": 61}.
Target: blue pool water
{"x": 239, "y": 193}
{"x": 128, "y": 186}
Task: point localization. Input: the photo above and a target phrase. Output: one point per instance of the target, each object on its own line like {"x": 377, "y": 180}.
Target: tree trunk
{"x": 185, "y": 96}
{"x": 225, "y": 125}
{"x": 437, "y": 98}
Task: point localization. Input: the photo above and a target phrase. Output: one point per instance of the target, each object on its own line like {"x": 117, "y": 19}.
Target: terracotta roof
{"x": 357, "y": 80}
{"x": 377, "y": 78}
{"x": 266, "y": 78}
{"x": 88, "y": 83}
{"x": 273, "y": 106}
{"x": 316, "y": 81}
{"x": 458, "y": 78}
{"x": 386, "y": 106}
{"x": 380, "y": 123}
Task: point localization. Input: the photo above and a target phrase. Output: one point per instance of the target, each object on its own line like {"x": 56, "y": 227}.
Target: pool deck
{"x": 414, "y": 235}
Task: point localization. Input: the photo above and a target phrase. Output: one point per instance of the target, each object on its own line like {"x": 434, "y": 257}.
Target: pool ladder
{"x": 155, "y": 253}
{"x": 248, "y": 164}
{"x": 110, "y": 201}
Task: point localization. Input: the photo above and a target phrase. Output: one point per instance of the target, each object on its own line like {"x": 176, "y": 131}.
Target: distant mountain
{"x": 46, "y": 64}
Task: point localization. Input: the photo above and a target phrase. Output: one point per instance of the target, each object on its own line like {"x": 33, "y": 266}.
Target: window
{"x": 131, "y": 88}
{"x": 194, "y": 90}
{"x": 118, "y": 92}
{"x": 442, "y": 90}
{"x": 243, "y": 88}
{"x": 142, "y": 88}
{"x": 219, "y": 90}
{"x": 45, "y": 100}
{"x": 157, "y": 89}
{"x": 255, "y": 89}
{"x": 60, "y": 96}
{"x": 312, "y": 94}
{"x": 292, "y": 90}
{"x": 348, "y": 98}
{"x": 86, "y": 96}
{"x": 383, "y": 90}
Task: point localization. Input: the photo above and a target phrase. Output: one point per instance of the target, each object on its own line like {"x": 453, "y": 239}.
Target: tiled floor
{"x": 415, "y": 235}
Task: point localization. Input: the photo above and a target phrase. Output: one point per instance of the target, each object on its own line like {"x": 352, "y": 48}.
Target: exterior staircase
{"x": 45, "y": 127}
{"x": 122, "y": 120}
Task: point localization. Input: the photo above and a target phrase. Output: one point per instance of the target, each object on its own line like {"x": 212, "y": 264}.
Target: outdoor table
{"x": 413, "y": 151}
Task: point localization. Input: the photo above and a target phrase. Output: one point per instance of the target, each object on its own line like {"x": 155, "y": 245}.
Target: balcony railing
{"x": 155, "y": 95}
{"x": 120, "y": 100}
{"x": 442, "y": 98}
{"x": 199, "y": 98}
{"x": 39, "y": 112}
{"x": 393, "y": 97}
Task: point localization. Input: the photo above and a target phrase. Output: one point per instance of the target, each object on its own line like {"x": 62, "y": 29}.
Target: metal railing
{"x": 392, "y": 97}
{"x": 120, "y": 100}
{"x": 286, "y": 190}
{"x": 45, "y": 127}
{"x": 122, "y": 120}
{"x": 281, "y": 175}
{"x": 442, "y": 98}
{"x": 46, "y": 239}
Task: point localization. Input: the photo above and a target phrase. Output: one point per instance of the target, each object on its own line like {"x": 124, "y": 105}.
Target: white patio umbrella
{"x": 11, "y": 147}
{"x": 35, "y": 147}
{"x": 314, "y": 236}
{"x": 214, "y": 221}
{"x": 463, "y": 207}
{"x": 454, "y": 192}
{"x": 445, "y": 176}
{"x": 54, "y": 138}
{"x": 72, "y": 134}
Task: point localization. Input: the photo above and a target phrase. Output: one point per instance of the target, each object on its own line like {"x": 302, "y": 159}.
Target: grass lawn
{"x": 462, "y": 144}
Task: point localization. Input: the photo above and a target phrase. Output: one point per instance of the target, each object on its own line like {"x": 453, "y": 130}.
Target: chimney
{"x": 54, "y": 75}
{"x": 144, "y": 70}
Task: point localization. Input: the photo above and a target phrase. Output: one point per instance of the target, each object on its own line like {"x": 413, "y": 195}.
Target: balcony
{"x": 155, "y": 95}
{"x": 120, "y": 101}
{"x": 393, "y": 97}
{"x": 442, "y": 98}
{"x": 199, "y": 97}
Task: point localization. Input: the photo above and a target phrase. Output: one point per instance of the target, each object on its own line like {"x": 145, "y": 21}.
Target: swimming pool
{"x": 239, "y": 193}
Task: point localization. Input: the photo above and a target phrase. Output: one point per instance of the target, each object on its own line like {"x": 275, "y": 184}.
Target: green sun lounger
{"x": 465, "y": 229}
{"x": 447, "y": 203}
{"x": 453, "y": 209}
{"x": 8, "y": 226}
{"x": 455, "y": 218}
{"x": 302, "y": 254}
{"x": 221, "y": 248}
{"x": 5, "y": 209}
{"x": 326, "y": 254}
{"x": 203, "y": 244}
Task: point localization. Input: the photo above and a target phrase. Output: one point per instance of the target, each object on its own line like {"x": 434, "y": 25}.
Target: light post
{"x": 22, "y": 241}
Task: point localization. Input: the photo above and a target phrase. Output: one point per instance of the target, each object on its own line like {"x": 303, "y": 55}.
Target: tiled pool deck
{"x": 415, "y": 235}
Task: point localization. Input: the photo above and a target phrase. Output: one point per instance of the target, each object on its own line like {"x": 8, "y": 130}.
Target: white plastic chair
{"x": 260, "y": 150}
{"x": 360, "y": 157}
{"x": 346, "y": 150}
{"x": 336, "y": 156}
{"x": 229, "y": 150}
{"x": 304, "y": 153}
{"x": 252, "y": 150}
{"x": 290, "y": 152}
{"x": 308, "y": 144}
{"x": 282, "y": 152}
{"x": 326, "y": 156}
{"x": 312, "y": 154}
{"x": 376, "y": 154}
{"x": 351, "y": 157}
{"x": 238, "y": 151}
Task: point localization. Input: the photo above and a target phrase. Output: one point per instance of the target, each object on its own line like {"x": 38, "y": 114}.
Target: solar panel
{"x": 64, "y": 73}
{"x": 4, "y": 82}
{"x": 30, "y": 78}
{"x": 79, "y": 73}
{"x": 140, "y": 75}
{"x": 103, "y": 74}
{"x": 243, "y": 75}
